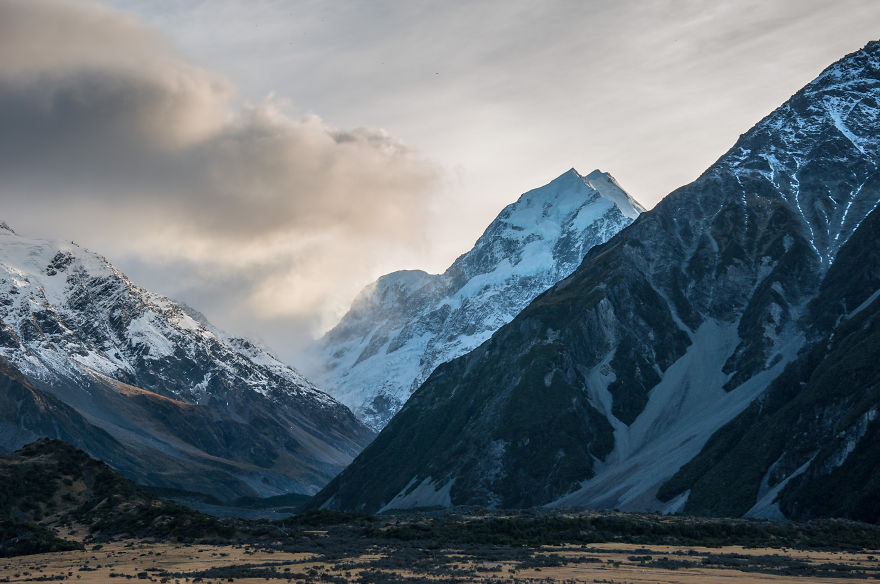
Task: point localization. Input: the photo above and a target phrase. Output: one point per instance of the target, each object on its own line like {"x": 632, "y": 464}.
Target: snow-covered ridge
{"x": 839, "y": 107}
{"x": 607, "y": 186}
{"x": 733, "y": 299}
{"x": 402, "y": 326}
{"x": 149, "y": 386}
{"x": 65, "y": 311}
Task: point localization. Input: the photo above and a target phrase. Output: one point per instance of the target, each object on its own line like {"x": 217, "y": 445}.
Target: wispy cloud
{"x": 106, "y": 133}
{"x": 267, "y": 218}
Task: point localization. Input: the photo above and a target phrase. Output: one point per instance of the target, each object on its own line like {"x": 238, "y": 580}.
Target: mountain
{"x": 809, "y": 446}
{"x": 150, "y": 386}
{"x": 49, "y": 485}
{"x": 403, "y": 325}
{"x": 734, "y": 310}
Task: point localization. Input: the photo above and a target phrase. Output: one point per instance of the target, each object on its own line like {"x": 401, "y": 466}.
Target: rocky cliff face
{"x": 189, "y": 406}
{"x": 406, "y": 323}
{"x": 808, "y": 446}
{"x": 614, "y": 379}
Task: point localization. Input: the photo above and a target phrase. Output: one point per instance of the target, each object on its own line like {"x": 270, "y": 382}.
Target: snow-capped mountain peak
{"x": 716, "y": 357}
{"x": 154, "y": 388}
{"x": 52, "y": 294}
{"x": 406, "y": 323}
{"x": 607, "y": 186}
{"x": 839, "y": 111}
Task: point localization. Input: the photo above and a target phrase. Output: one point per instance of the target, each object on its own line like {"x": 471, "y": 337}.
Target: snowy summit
{"x": 404, "y": 324}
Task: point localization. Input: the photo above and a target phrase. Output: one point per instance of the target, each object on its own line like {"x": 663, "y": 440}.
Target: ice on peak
{"x": 153, "y": 326}
{"x": 405, "y": 281}
{"x": 600, "y": 175}
{"x": 561, "y": 195}
{"x": 607, "y": 186}
{"x": 604, "y": 184}
{"x": 4, "y": 227}
{"x": 551, "y": 190}
{"x": 194, "y": 314}
{"x": 404, "y": 278}
{"x": 404, "y": 324}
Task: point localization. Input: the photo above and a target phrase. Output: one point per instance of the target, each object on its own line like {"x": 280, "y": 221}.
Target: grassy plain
{"x": 316, "y": 557}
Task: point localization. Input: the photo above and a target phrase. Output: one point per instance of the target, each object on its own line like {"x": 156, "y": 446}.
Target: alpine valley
{"x": 403, "y": 325}
{"x": 150, "y": 387}
{"x": 717, "y": 356}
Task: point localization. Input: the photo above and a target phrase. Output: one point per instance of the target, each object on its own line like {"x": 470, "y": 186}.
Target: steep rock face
{"x": 406, "y": 323}
{"x": 26, "y": 413}
{"x": 616, "y": 377}
{"x": 200, "y": 410}
{"x": 809, "y": 446}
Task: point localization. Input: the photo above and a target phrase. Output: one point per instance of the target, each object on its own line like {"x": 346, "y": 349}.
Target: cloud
{"x": 107, "y": 135}
{"x": 270, "y": 220}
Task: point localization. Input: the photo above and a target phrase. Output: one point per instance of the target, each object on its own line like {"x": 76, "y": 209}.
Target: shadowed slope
{"x": 605, "y": 385}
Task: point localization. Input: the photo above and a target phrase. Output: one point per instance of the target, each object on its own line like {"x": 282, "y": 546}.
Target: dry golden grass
{"x": 602, "y": 563}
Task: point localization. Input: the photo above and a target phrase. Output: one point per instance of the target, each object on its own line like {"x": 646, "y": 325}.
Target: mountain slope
{"x": 190, "y": 406}
{"x": 809, "y": 446}
{"x": 616, "y": 377}
{"x": 406, "y": 323}
{"x": 49, "y": 484}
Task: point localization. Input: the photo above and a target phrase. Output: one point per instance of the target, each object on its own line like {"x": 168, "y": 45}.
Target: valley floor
{"x": 141, "y": 560}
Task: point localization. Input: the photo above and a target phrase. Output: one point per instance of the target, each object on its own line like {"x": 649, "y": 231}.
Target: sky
{"x": 264, "y": 160}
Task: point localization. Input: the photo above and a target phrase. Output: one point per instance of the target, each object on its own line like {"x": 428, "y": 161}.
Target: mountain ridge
{"x": 404, "y": 324}
{"x": 193, "y": 407}
{"x": 607, "y": 384}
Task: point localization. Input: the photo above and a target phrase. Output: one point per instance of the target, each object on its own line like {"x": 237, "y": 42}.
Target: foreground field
{"x": 66, "y": 517}
{"x": 618, "y": 563}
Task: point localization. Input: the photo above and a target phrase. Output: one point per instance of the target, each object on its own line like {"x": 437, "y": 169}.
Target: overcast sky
{"x": 262, "y": 160}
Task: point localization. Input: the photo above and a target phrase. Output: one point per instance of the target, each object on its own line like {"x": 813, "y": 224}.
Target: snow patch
{"x": 851, "y": 437}
{"x": 683, "y": 411}
{"x": 767, "y": 507}
{"x": 834, "y": 112}
{"x": 608, "y": 187}
{"x": 676, "y": 504}
{"x": 868, "y": 301}
{"x": 425, "y": 494}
